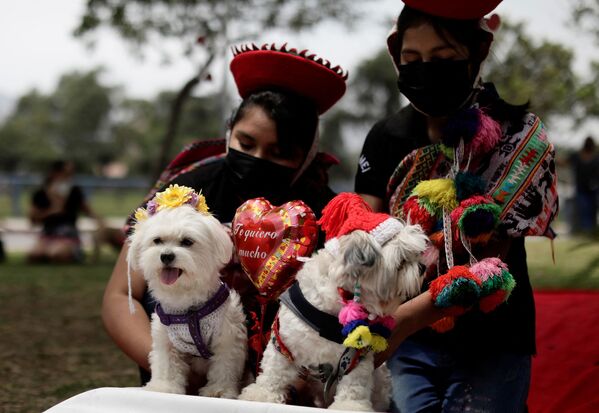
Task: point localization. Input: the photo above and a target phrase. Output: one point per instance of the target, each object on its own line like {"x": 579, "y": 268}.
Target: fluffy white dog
{"x": 199, "y": 323}
{"x": 388, "y": 272}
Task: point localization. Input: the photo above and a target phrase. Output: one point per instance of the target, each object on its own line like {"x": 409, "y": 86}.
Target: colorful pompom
{"x": 352, "y": 325}
{"x": 351, "y": 311}
{"x": 488, "y": 135}
{"x": 463, "y": 125}
{"x": 439, "y": 193}
{"x": 497, "y": 282}
{"x": 476, "y": 218}
{"x": 458, "y": 289}
{"x": 358, "y": 338}
{"x": 417, "y": 213}
{"x": 378, "y": 343}
{"x": 468, "y": 184}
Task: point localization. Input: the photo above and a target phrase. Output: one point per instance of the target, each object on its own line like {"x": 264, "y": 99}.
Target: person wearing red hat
{"x": 459, "y": 143}
{"x": 270, "y": 151}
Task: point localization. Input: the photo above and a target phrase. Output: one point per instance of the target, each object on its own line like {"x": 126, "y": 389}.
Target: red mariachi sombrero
{"x": 258, "y": 68}
{"x": 454, "y": 9}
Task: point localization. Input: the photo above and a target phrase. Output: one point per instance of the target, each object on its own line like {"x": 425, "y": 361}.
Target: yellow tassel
{"x": 378, "y": 343}
{"x": 360, "y": 337}
{"x": 440, "y": 193}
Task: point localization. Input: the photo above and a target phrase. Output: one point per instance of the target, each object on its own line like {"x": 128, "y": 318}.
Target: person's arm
{"x": 131, "y": 332}
{"x": 410, "y": 317}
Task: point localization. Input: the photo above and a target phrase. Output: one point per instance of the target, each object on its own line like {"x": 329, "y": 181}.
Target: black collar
{"x": 326, "y": 325}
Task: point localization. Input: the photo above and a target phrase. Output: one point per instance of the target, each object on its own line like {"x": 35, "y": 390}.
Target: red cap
{"x": 454, "y": 9}
{"x": 347, "y": 212}
{"x": 305, "y": 74}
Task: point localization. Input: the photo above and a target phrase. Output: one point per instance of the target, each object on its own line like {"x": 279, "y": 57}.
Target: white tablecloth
{"x": 134, "y": 399}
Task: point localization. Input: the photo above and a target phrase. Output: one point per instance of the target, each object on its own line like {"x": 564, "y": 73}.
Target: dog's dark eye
{"x": 157, "y": 241}
{"x": 186, "y": 242}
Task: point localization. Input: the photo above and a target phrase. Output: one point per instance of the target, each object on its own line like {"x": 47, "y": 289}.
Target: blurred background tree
{"x": 70, "y": 120}
{"x": 211, "y": 24}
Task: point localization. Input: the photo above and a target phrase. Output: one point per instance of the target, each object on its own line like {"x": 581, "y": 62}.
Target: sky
{"x": 37, "y": 46}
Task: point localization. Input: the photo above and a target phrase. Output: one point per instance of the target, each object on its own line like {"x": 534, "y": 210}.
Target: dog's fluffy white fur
{"x": 197, "y": 246}
{"x": 388, "y": 276}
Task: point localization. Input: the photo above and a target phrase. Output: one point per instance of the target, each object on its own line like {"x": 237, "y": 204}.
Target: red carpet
{"x": 565, "y": 372}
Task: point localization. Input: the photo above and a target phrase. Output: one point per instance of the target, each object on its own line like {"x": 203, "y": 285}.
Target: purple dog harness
{"x": 193, "y": 317}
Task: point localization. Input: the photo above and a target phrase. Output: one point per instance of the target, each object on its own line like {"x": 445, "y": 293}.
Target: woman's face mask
{"x": 254, "y": 177}
{"x": 437, "y": 88}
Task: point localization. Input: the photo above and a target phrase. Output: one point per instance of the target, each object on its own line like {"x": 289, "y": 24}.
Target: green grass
{"x": 53, "y": 345}
{"x": 576, "y": 263}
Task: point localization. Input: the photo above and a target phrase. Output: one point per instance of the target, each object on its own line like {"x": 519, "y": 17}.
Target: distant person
{"x": 585, "y": 167}
{"x": 56, "y": 207}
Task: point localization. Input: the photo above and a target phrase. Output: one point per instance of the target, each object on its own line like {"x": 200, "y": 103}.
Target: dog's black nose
{"x": 167, "y": 258}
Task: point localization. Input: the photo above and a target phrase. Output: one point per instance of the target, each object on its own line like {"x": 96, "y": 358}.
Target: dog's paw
{"x": 214, "y": 390}
{"x": 353, "y": 405}
{"x": 255, "y": 393}
{"x": 164, "y": 387}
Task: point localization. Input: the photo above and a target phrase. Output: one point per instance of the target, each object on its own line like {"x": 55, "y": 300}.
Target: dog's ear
{"x": 413, "y": 241}
{"x": 133, "y": 251}
{"x": 359, "y": 252}
{"x": 222, "y": 245}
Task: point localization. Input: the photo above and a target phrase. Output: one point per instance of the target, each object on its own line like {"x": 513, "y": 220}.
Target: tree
{"x": 213, "y": 24}
{"x": 141, "y": 124}
{"x": 526, "y": 69}
{"x": 64, "y": 124}
{"x": 585, "y": 14}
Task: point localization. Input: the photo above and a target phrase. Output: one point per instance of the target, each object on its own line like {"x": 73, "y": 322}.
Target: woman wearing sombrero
{"x": 478, "y": 175}
{"x": 270, "y": 151}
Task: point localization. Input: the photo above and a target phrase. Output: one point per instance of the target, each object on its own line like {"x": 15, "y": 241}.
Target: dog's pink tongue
{"x": 169, "y": 275}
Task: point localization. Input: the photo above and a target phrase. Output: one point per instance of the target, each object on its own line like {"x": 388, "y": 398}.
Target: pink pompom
{"x": 430, "y": 255}
{"x": 352, "y": 311}
{"x": 488, "y": 268}
{"x": 488, "y": 135}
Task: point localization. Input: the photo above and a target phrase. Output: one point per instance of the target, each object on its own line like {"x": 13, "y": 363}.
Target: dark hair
{"x": 589, "y": 144}
{"x": 477, "y": 41}
{"x": 295, "y": 117}
{"x": 56, "y": 167}
{"x": 465, "y": 32}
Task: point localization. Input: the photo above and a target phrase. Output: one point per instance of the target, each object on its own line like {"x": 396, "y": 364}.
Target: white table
{"x": 134, "y": 399}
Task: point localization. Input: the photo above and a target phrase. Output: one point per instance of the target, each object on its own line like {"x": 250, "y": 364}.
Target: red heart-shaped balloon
{"x": 269, "y": 240}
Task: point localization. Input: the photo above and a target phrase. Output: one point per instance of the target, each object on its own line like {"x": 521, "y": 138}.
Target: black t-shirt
{"x": 388, "y": 142}
{"x": 56, "y": 224}
{"x": 511, "y": 327}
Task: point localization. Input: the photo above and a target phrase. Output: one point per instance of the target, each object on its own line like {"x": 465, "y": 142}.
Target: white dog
{"x": 199, "y": 323}
{"x": 388, "y": 272}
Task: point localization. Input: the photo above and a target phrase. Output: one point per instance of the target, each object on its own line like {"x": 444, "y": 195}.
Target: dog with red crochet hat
{"x": 478, "y": 175}
{"x": 334, "y": 318}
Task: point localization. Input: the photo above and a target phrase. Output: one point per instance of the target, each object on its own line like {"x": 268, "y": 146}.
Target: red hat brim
{"x": 454, "y": 9}
{"x": 256, "y": 70}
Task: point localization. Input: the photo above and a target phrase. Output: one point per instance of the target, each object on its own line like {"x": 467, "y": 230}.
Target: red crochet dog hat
{"x": 348, "y": 212}
{"x": 258, "y": 68}
{"x": 454, "y": 9}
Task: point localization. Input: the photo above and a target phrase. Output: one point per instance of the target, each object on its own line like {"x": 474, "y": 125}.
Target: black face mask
{"x": 254, "y": 177}
{"x": 437, "y": 88}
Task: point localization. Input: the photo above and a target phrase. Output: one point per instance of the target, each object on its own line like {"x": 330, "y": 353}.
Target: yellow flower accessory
{"x": 141, "y": 214}
{"x": 173, "y": 196}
